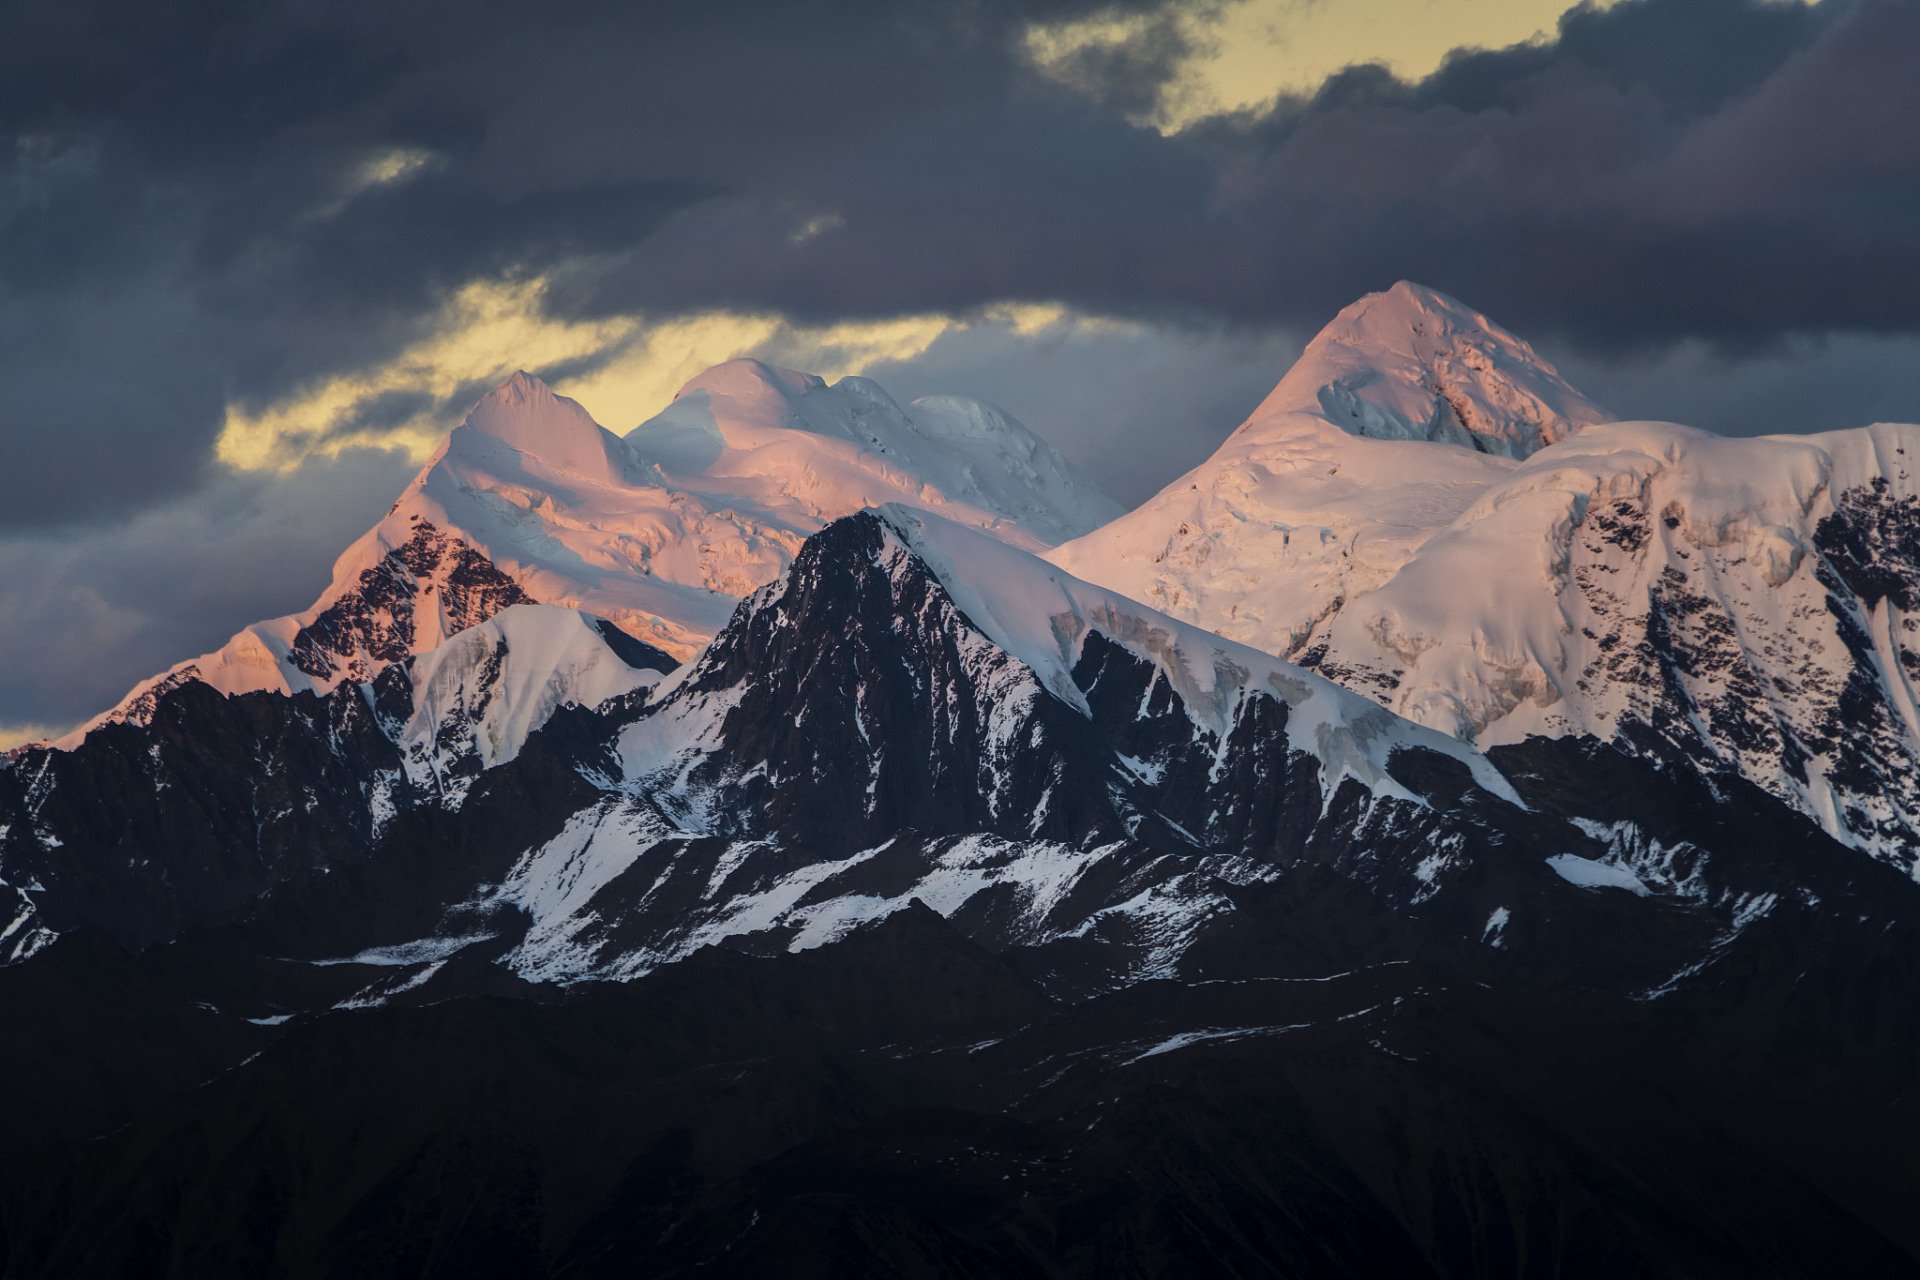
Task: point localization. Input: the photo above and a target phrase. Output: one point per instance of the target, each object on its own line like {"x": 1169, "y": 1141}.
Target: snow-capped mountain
{"x": 905, "y": 674}
{"x": 1413, "y": 364}
{"x": 1735, "y": 603}
{"x": 531, "y": 501}
{"x": 1046, "y": 743}
{"x": 1394, "y": 421}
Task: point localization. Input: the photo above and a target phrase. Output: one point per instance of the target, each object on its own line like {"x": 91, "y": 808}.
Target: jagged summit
{"x": 1414, "y": 364}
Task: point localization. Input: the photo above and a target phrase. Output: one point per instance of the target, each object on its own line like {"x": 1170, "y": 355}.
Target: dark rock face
{"x": 936, "y": 973}
{"x": 1867, "y": 563}
{"x": 191, "y": 817}
{"x": 876, "y": 705}
{"x": 1721, "y": 692}
{"x": 1872, "y": 544}
{"x": 374, "y": 623}
{"x": 215, "y": 804}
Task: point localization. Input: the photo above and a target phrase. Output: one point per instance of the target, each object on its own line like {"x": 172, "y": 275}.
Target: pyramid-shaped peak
{"x": 1411, "y": 363}
{"x": 525, "y": 414}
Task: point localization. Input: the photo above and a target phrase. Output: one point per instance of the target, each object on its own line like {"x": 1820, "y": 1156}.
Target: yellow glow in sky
{"x": 485, "y": 332}
{"x": 1250, "y": 51}
{"x": 641, "y": 381}
{"x": 19, "y": 735}
{"x": 490, "y": 329}
{"x": 1253, "y": 50}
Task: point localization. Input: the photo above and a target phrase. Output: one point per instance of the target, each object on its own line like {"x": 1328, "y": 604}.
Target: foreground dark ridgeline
{"x": 852, "y": 1111}
{"x": 972, "y": 921}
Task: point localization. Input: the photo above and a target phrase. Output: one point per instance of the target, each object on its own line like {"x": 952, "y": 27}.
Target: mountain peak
{"x": 739, "y": 400}
{"x": 525, "y": 414}
{"x": 749, "y": 377}
{"x": 1397, "y": 319}
{"x": 1411, "y": 363}
{"x": 521, "y": 388}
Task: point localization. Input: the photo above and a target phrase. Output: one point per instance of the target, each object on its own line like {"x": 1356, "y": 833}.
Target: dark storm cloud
{"x": 1691, "y": 57}
{"x": 1720, "y": 169}
{"x": 1590, "y": 199}
{"x": 186, "y": 217}
{"x": 1135, "y": 405}
{"x": 87, "y": 613}
{"x": 1809, "y": 384}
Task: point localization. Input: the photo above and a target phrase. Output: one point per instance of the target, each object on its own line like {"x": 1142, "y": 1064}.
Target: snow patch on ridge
{"x": 582, "y": 884}
{"x": 477, "y": 698}
{"x": 1589, "y": 874}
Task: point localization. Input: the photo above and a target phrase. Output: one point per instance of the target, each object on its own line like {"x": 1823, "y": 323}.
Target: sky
{"x": 257, "y": 256}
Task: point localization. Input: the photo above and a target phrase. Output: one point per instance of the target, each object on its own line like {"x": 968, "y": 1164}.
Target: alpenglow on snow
{"x": 662, "y": 532}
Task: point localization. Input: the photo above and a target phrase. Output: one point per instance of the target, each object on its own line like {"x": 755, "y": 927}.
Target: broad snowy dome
{"x": 789, "y": 437}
